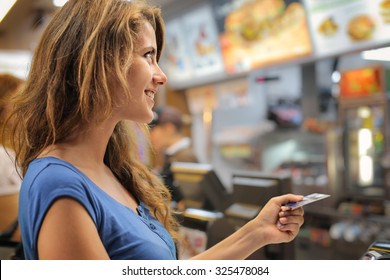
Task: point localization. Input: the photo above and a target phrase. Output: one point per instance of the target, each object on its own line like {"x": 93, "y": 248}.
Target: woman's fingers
{"x": 291, "y": 220}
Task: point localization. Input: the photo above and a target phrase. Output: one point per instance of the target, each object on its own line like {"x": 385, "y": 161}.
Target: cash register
{"x": 216, "y": 211}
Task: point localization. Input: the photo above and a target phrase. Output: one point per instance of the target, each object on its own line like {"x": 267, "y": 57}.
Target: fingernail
{"x": 280, "y": 225}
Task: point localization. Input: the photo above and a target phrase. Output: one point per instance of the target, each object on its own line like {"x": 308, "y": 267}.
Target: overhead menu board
{"x": 202, "y": 38}
{"x": 175, "y": 60}
{"x": 254, "y": 33}
{"x": 192, "y": 46}
{"x": 340, "y": 26}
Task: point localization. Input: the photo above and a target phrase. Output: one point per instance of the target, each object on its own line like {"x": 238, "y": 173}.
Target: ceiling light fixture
{"x": 5, "y": 6}
{"x": 59, "y": 3}
{"x": 382, "y": 54}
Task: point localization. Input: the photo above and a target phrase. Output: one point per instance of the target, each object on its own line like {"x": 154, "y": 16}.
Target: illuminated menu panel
{"x": 175, "y": 60}
{"x": 192, "y": 46}
{"x": 340, "y": 26}
{"x": 260, "y": 32}
{"x": 202, "y": 41}
{"x": 361, "y": 82}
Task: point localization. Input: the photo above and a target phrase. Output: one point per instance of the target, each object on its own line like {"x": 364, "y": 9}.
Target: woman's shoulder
{"x": 52, "y": 164}
{"x": 49, "y": 178}
{"x": 52, "y": 171}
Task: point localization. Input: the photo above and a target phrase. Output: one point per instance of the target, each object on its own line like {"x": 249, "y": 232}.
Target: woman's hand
{"x": 278, "y": 223}
{"x": 274, "y": 224}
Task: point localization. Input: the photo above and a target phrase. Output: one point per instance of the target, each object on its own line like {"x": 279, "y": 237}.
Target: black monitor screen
{"x": 255, "y": 187}
{"x": 201, "y": 186}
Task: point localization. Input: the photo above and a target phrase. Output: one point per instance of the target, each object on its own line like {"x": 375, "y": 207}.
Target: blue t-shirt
{"x": 124, "y": 234}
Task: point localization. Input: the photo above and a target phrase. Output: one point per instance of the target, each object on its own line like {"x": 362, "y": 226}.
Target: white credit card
{"x": 307, "y": 200}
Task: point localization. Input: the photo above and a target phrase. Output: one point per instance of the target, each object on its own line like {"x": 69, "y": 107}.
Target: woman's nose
{"x": 159, "y": 76}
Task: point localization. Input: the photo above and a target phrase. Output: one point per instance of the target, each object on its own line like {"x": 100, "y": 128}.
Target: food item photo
{"x": 361, "y": 27}
{"x": 328, "y": 27}
{"x": 384, "y": 11}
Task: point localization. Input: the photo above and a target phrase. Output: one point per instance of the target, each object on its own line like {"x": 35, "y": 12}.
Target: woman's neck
{"x": 86, "y": 148}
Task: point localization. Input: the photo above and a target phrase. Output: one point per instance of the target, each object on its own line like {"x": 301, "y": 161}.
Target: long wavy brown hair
{"x": 9, "y": 86}
{"x": 85, "y": 50}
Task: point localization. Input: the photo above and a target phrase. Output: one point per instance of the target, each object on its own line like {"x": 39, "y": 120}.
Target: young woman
{"x": 85, "y": 194}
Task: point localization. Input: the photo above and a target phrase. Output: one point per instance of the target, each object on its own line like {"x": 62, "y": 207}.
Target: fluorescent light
{"x": 366, "y": 170}
{"x": 364, "y": 141}
{"x": 5, "y": 6}
{"x": 366, "y": 165}
{"x": 382, "y": 54}
{"x": 59, "y": 3}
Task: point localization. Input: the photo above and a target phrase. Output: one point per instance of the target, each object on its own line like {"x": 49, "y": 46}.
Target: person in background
{"x": 167, "y": 138}
{"x": 10, "y": 180}
{"x": 85, "y": 194}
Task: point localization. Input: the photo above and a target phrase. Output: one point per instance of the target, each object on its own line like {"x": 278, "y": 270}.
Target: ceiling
{"x": 23, "y": 9}
{"x": 20, "y": 10}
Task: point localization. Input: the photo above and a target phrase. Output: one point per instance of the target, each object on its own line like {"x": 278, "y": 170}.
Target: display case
{"x": 356, "y": 166}
{"x": 363, "y": 119}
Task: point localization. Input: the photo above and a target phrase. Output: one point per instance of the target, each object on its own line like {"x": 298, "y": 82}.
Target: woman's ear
{"x": 169, "y": 128}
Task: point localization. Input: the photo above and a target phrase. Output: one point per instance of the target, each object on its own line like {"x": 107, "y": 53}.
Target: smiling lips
{"x": 150, "y": 93}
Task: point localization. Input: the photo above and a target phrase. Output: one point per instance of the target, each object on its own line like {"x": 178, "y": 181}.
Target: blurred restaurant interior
{"x": 280, "y": 96}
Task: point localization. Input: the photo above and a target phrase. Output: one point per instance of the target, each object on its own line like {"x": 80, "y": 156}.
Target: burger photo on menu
{"x": 246, "y": 25}
{"x": 261, "y": 32}
{"x": 384, "y": 11}
{"x": 361, "y": 27}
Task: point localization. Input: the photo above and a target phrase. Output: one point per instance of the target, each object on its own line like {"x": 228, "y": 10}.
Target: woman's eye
{"x": 149, "y": 55}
